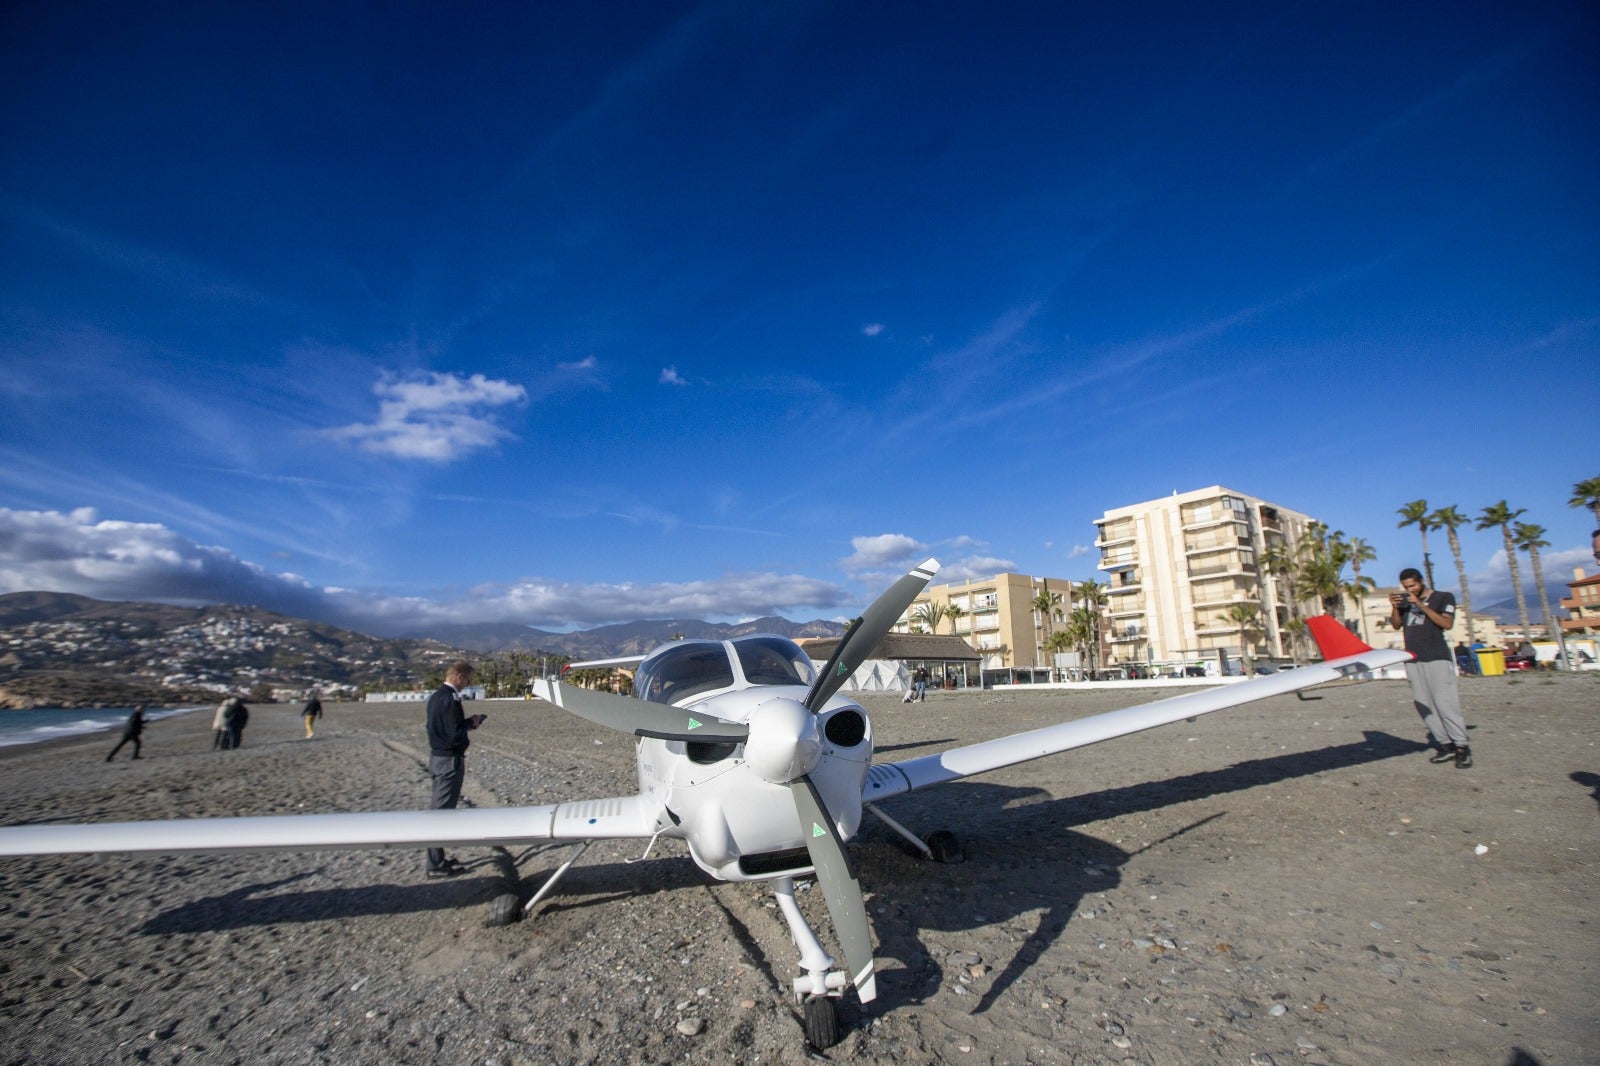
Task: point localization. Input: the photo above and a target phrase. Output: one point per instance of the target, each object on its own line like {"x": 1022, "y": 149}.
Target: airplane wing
{"x": 893, "y": 779}
{"x": 621, "y": 817}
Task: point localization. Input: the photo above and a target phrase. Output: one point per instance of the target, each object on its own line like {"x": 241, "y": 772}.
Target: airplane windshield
{"x": 684, "y": 669}
{"x": 772, "y": 660}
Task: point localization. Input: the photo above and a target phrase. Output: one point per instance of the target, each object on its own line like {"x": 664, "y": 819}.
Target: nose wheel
{"x": 821, "y": 1022}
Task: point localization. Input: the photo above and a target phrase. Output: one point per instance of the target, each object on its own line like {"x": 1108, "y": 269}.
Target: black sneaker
{"x": 1463, "y": 758}
{"x": 1444, "y": 754}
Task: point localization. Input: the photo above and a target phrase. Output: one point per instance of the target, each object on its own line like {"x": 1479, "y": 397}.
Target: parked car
{"x": 1521, "y": 662}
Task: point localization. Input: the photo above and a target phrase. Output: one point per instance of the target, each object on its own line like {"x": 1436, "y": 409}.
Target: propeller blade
{"x": 639, "y": 717}
{"x": 863, "y": 634}
{"x": 840, "y": 887}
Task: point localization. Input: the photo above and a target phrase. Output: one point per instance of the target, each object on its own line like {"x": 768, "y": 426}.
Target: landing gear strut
{"x": 820, "y": 984}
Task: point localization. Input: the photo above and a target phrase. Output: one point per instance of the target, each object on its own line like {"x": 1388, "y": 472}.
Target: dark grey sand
{"x": 1155, "y": 899}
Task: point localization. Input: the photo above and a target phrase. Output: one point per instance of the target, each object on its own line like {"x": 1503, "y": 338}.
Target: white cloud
{"x": 587, "y": 363}
{"x": 886, "y": 549}
{"x": 1492, "y": 583}
{"x": 670, "y": 376}
{"x": 1079, "y": 551}
{"x": 975, "y": 567}
{"x": 437, "y": 417}
{"x": 872, "y": 329}
{"x": 79, "y": 553}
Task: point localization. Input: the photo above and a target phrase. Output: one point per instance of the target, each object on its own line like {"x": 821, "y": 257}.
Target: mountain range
{"x": 60, "y": 649}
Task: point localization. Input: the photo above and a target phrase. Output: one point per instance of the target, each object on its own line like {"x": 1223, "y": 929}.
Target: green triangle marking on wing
{"x": 817, "y": 830}
{"x": 693, "y": 724}
{"x": 840, "y": 670}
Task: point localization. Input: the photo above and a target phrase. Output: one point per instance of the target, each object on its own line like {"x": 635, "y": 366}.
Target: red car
{"x": 1521, "y": 662}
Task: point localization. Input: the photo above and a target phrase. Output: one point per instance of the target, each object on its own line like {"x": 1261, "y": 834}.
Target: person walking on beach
{"x": 1424, "y": 615}
{"x": 236, "y": 723}
{"x": 448, "y": 726}
{"x": 133, "y": 730}
{"x": 312, "y": 711}
{"x": 921, "y": 678}
{"x": 221, "y": 735}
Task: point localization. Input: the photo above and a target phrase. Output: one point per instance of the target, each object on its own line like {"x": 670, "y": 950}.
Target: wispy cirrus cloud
{"x": 77, "y": 551}
{"x": 670, "y": 376}
{"x": 436, "y": 417}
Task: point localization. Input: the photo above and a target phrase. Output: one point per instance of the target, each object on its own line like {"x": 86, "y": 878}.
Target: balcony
{"x": 1229, "y": 568}
{"x": 1129, "y": 636}
{"x": 1122, "y": 535}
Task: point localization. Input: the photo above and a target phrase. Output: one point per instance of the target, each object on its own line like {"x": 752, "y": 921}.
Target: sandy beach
{"x": 1281, "y": 883}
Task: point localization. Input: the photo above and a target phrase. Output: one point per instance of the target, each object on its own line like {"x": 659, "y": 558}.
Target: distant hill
{"x": 58, "y": 649}
{"x": 626, "y": 638}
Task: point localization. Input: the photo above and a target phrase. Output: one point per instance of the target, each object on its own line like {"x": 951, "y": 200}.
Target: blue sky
{"x": 572, "y": 313}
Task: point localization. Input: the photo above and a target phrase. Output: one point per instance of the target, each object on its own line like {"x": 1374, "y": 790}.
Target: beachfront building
{"x": 1178, "y": 564}
{"x": 996, "y": 616}
{"x": 1582, "y": 604}
{"x": 950, "y": 661}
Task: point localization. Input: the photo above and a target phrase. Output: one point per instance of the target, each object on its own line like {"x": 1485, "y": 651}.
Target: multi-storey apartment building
{"x": 1176, "y": 566}
{"x": 1582, "y": 605}
{"x": 996, "y": 615}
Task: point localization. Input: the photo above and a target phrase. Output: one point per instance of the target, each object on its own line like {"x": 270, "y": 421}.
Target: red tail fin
{"x": 1333, "y": 639}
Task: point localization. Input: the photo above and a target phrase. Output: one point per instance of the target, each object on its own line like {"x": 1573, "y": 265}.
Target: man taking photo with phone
{"x": 1424, "y": 616}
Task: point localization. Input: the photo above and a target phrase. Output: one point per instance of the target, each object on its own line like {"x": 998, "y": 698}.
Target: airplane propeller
{"x": 835, "y": 873}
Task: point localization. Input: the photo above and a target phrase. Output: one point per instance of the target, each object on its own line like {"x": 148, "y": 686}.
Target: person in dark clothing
{"x": 236, "y": 723}
{"x": 312, "y": 711}
{"x": 133, "y": 730}
{"x": 448, "y": 726}
{"x": 1423, "y": 616}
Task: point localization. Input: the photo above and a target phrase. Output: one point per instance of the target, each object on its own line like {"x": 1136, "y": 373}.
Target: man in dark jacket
{"x": 237, "y": 722}
{"x": 133, "y": 730}
{"x": 312, "y": 711}
{"x": 448, "y": 726}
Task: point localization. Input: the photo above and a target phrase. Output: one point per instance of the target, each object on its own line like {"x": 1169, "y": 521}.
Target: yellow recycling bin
{"x": 1491, "y": 661}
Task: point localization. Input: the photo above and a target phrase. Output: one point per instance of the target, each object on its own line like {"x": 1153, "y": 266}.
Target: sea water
{"x": 51, "y": 723}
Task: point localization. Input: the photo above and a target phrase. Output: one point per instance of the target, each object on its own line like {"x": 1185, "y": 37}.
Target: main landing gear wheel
{"x": 945, "y": 847}
{"x": 822, "y": 1022}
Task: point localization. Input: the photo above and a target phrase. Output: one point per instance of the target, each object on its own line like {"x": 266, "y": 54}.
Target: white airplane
{"x": 750, "y": 756}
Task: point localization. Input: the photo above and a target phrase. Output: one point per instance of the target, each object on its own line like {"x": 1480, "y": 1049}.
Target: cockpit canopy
{"x": 686, "y": 668}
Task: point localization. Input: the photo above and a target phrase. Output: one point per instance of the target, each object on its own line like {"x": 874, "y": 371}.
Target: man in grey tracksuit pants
{"x": 1424, "y": 615}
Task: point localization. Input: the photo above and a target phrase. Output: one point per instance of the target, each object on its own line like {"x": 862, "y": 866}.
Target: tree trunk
{"x": 1516, "y": 579}
{"x": 1544, "y": 597}
{"x": 1461, "y": 572}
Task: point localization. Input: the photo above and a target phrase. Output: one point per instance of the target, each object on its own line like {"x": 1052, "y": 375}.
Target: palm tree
{"x": 1048, "y": 604}
{"x": 1095, "y": 599}
{"x": 1081, "y": 627}
{"x": 1530, "y": 538}
{"x": 1416, "y": 514}
{"x": 928, "y": 615}
{"x": 1319, "y": 567}
{"x": 1587, "y": 494}
{"x": 1502, "y": 515}
{"x": 1277, "y": 561}
{"x": 1449, "y": 518}
{"x": 1247, "y": 617}
{"x": 955, "y": 614}
{"x": 1060, "y": 641}
{"x": 1359, "y": 552}
{"x": 1296, "y": 628}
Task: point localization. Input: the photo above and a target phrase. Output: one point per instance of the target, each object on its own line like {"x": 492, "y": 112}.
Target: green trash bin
{"x": 1491, "y": 661}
